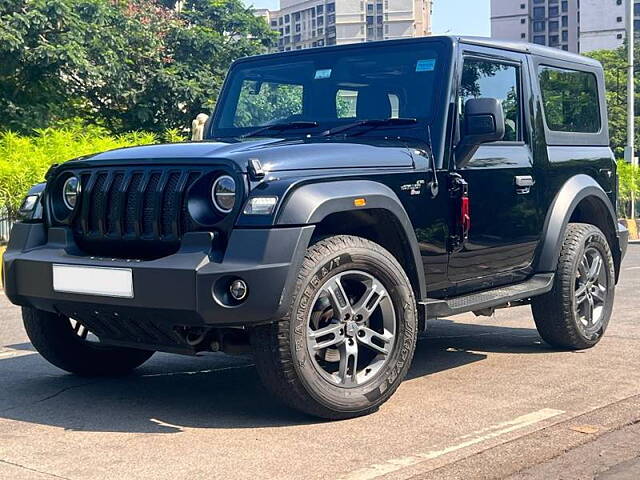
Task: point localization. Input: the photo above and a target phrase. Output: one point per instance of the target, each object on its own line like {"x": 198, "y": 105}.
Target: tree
{"x": 127, "y": 65}
{"x": 615, "y": 73}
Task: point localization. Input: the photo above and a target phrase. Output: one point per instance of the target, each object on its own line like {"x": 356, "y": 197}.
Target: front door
{"x": 505, "y": 217}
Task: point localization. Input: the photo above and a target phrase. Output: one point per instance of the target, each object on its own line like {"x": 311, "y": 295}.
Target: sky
{"x": 456, "y": 17}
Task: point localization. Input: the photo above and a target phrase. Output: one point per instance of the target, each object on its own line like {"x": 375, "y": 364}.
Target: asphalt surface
{"x": 485, "y": 398}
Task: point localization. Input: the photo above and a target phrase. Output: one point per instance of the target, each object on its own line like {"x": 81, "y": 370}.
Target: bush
{"x": 25, "y": 160}
{"x": 629, "y": 181}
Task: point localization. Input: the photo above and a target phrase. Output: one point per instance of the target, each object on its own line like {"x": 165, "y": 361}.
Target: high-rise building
{"x": 316, "y": 23}
{"x": 576, "y": 25}
{"x": 554, "y": 23}
{"x": 603, "y": 23}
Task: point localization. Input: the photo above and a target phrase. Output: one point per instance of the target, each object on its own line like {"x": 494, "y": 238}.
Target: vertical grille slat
{"x": 85, "y": 212}
{"x": 141, "y": 209}
{"x": 171, "y": 204}
{"x": 150, "y": 209}
{"x": 133, "y": 198}
{"x": 113, "y": 206}
{"x": 105, "y": 193}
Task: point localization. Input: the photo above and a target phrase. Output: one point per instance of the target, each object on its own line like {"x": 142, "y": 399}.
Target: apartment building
{"x": 603, "y": 23}
{"x": 316, "y": 23}
{"x": 579, "y": 26}
{"x": 554, "y": 23}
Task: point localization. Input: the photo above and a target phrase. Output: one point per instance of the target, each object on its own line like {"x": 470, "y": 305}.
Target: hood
{"x": 276, "y": 155}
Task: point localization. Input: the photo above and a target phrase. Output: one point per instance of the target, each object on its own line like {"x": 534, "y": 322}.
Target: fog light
{"x": 238, "y": 290}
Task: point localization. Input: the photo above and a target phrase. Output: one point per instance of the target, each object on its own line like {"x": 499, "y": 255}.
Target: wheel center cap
{"x": 351, "y": 328}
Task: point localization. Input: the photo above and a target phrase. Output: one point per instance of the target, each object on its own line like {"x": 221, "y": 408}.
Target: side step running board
{"x": 536, "y": 285}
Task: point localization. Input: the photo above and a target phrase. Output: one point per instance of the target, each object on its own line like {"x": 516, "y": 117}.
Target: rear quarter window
{"x": 570, "y": 99}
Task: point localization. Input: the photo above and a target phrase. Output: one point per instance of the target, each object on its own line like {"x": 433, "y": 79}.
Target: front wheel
{"x": 576, "y": 312}
{"x": 69, "y": 345}
{"x": 348, "y": 339}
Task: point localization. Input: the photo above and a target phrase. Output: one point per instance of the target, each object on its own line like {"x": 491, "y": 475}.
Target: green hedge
{"x": 25, "y": 160}
{"x": 629, "y": 181}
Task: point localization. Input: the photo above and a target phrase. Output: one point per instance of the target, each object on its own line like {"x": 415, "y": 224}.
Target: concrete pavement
{"x": 485, "y": 398}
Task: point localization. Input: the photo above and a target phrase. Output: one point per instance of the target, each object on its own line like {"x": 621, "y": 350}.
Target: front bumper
{"x": 174, "y": 290}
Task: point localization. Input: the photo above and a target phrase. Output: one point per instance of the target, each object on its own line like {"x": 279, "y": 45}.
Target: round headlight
{"x": 70, "y": 192}
{"x": 223, "y": 193}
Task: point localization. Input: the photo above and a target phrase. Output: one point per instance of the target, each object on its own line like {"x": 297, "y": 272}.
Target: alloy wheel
{"x": 351, "y": 329}
{"x": 591, "y": 287}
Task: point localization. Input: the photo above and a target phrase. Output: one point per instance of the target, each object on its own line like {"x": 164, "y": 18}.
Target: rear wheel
{"x": 576, "y": 312}
{"x": 349, "y": 338}
{"x": 69, "y": 345}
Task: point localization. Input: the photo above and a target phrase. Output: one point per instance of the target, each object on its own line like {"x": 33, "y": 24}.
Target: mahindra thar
{"x": 341, "y": 198}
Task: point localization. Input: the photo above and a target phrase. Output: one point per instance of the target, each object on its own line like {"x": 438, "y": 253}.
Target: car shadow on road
{"x": 171, "y": 393}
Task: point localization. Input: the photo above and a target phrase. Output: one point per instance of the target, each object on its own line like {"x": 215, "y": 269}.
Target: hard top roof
{"x": 527, "y": 48}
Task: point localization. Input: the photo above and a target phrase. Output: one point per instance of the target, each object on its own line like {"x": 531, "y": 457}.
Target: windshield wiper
{"x": 373, "y": 123}
{"x": 280, "y": 127}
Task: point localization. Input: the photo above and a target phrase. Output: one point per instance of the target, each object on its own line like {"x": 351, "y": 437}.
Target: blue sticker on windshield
{"x": 323, "y": 74}
{"x": 426, "y": 65}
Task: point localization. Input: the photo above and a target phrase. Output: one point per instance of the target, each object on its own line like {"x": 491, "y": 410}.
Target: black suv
{"x": 342, "y": 197}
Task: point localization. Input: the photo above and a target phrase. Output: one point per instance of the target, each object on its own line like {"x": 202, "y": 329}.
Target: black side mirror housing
{"x": 483, "y": 123}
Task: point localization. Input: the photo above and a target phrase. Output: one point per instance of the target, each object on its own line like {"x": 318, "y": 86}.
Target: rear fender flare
{"x": 575, "y": 190}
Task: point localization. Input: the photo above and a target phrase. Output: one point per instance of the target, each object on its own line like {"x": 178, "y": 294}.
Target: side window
{"x": 487, "y": 79}
{"x": 262, "y": 103}
{"x": 570, "y": 99}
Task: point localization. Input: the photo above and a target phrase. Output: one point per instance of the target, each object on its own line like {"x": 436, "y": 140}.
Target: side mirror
{"x": 483, "y": 123}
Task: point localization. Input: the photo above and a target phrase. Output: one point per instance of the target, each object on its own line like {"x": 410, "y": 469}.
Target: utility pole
{"x": 629, "y": 152}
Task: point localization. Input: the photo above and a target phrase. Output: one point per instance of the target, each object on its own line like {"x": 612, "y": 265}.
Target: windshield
{"x": 331, "y": 88}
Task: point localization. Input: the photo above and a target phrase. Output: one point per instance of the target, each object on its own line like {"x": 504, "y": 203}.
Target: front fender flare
{"x": 311, "y": 203}
{"x": 575, "y": 190}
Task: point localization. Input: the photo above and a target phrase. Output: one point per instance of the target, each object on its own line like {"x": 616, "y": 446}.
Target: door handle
{"x": 524, "y": 184}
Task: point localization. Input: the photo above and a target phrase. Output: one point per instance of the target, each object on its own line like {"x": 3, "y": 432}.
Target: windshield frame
{"x": 443, "y": 45}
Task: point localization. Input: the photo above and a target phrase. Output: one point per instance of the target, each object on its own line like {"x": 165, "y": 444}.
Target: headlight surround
{"x": 260, "y": 206}
{"x": 71, "y": 192}
{"x": 223, "y": 193}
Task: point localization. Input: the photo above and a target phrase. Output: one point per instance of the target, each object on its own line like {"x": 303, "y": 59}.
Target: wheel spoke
{"x": 338, "y": 298}
{"x": 596, "y": 266}
{"x": 600, "y": 294}
{"x": 334, "y": 332}
{"x": 583, "y": 268}
{"x": 589, "y": 310}
{"x": 380, "y": 342}
{"x": 370, "y": 300}
{"x": 581, "y": 293}
{"x": 348, "y": 369}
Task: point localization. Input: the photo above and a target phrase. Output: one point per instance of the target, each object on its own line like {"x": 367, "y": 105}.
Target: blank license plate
{"x": 104, "y": 281}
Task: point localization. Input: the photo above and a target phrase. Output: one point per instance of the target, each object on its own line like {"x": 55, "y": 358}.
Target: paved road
{"x": 485, "y": 398}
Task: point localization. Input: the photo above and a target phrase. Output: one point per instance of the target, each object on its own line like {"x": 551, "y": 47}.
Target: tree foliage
{"x": 127, "y": 65}
{"x": 615, "y": 73}
{"x": 25, "y": 159}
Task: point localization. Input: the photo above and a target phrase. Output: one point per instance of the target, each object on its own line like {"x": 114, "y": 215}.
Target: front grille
{"x": 126, "y": 206}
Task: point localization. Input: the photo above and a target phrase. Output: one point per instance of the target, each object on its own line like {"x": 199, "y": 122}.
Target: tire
{"x": 575, "y": 314}
{"x": 69, "y": 348}
{"x": 381, "y": 330}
